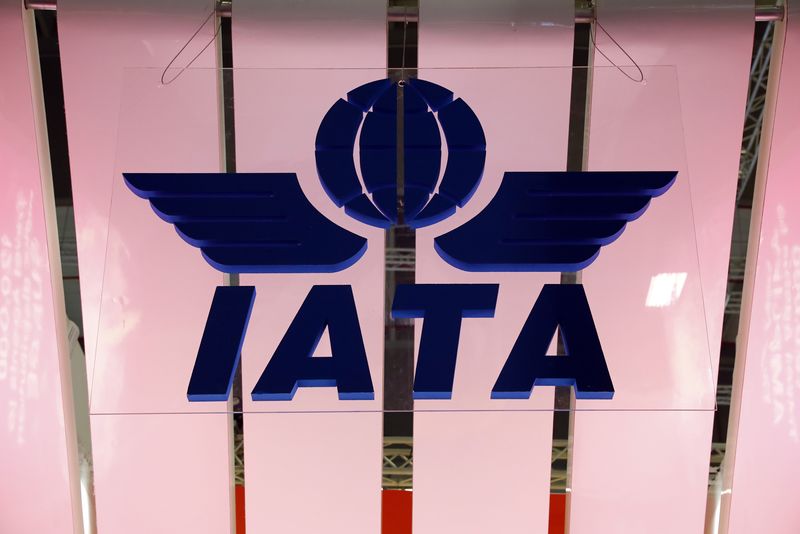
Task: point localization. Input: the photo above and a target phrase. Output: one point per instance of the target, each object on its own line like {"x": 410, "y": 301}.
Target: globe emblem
{"x": 432, "y": 120}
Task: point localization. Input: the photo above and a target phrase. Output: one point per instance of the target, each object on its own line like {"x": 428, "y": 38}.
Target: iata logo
{"x": 537, "y": 221}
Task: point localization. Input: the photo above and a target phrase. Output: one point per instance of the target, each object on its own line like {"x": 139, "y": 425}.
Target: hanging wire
{"x": 593, "y": 36}
{"x": 183, "y": 69}
{"x": 403, "y": 59}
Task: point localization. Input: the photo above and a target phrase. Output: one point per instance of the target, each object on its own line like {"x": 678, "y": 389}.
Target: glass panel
{"x": 643, "y": 290}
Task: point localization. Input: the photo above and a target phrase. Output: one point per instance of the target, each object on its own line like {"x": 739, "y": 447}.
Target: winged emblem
{"x": 551, "y": 221}
{"x": 249, "y": 222}
{"x": 537, "y": 221}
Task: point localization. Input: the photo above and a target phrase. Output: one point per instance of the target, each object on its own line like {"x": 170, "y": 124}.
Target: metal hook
{"x": 592, "y": 36}
{"x": 405, "y": 30}
{"x": 181, "y": 71}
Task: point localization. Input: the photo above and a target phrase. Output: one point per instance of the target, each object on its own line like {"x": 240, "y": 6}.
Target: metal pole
{"x": 583, "y": 15}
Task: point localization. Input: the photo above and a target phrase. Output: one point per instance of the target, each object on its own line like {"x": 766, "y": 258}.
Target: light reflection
{"x": 779, "y": 358}
{"x": 21, "y": 315}
{"x": 665, "y": 288}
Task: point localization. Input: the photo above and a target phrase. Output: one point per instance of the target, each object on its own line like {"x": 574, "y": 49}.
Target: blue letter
{"x": 221, "y": 345}
{"x": 293, "y": 363}
{"x": 443, "y": 306}
{"x": 584, "y": 366}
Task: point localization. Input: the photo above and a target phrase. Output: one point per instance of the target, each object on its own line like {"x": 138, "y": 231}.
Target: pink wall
{"x": 157, "y": 290}
{"x": 469, "y": 472}
{"x": 762, "y": 472}
{"x": 39, "y": 489}
{"x": 636, "y": 460}
{"x": 710, "y": 47}
{"x": 631, "y": 467}
{"x": 99, "y": 42}
{"x": 645, "y": 289}
{"x": 162, "y": 473}
{"x": 501, "y": 33}
{"x": 142, "y": 288}
{"x": 626, "y": 479}
{"x": 310, "y": 472}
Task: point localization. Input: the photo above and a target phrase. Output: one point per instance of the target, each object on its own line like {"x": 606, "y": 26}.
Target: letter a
{"x": 293, "y": 364}
{"x": 584, "y": 365}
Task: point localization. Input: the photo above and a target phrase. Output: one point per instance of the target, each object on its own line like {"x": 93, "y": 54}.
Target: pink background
{"x": 635, "y": 460}
{"x": 312, "y": 472}
{"x": 638, "y": 470}
{"x": 762, "y": 471}
{"x": 38, "y": 471}
{"x": 476, "y": 472}
{"x": 145, "y": 290}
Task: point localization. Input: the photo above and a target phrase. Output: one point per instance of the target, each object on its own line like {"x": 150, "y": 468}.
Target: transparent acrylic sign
{"x": 493, "y": 213}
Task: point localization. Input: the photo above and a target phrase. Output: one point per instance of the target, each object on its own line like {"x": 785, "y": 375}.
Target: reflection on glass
{"x": 665, "y": 288}
{"x": 23, "y": 270}
{"x": 779, "y": 369}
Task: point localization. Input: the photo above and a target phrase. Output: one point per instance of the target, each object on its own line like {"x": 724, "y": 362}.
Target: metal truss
{"x": 559, "y": 457}
{"x": 398, "y": 460}
{"x": 400, "y": 259}
{"x": 754, "y": 112}
{"x": 398, "y": 463}
{"x": 733, "y": 299}
{"x": 558, "y": 476}
{"x": 717, "y": 457}
{"x": 238, "y": 459}
{"x": 724, "y": 392}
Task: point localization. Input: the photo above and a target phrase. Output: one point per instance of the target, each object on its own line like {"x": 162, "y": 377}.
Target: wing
{"x": 551, "y": 221}
{"x": 249, "y": 222}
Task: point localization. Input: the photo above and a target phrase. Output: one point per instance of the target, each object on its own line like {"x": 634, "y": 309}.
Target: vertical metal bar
{"x": 577, "y": 150}
{"x": 399, "y": 339}
{"x": 57, "y": 160}
{"x": 228, "y": 137}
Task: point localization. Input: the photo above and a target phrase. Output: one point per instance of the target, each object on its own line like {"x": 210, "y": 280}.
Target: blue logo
{"x": 373, "y": 107}
{"x": 537, "y": 222}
